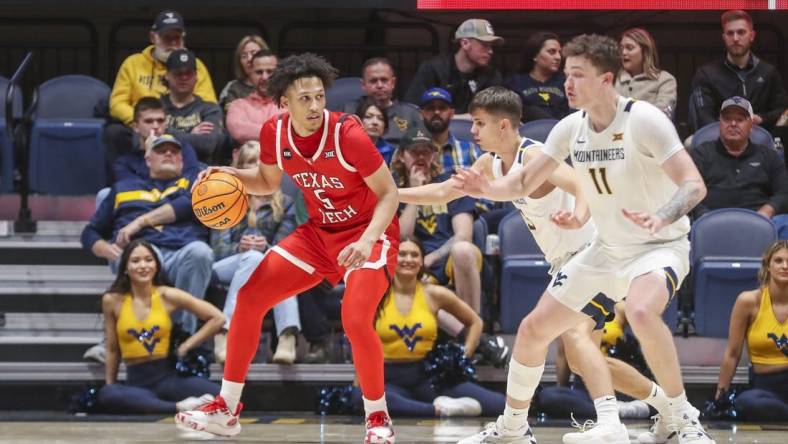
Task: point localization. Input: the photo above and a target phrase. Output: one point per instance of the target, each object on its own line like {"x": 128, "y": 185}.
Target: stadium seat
{"x": 726, "y": 246}
{"x": 67, "y": 155}
{"x": 523, "y": 271}
{"x": 6, "y": 149}
{"x": 711, "y": 132}
{"x": 343, "y": 90}
{"x": 537, "y": 129}
{"x": 461, "y": 129}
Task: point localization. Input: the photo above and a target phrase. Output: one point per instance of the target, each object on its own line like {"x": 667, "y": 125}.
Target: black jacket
{"x": 442, "y": 72}
{"x": 759, "y": 82}
{"x": 755, "y": 178}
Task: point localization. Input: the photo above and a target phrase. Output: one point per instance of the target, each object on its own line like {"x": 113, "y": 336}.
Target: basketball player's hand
{"x": 650, "y": 222}
{"x": 354, "y": 255}
{"x": 471, "y": 182}
{"x": 566, "y": 220}
{"x": 210, "y": 170}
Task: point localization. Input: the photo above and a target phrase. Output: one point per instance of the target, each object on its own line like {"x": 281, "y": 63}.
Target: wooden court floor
{"x": 320, "y": 430}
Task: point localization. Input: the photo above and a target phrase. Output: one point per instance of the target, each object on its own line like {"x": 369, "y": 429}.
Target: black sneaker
{"x": 318, "y": 354}
{"x": 494, "y": 350}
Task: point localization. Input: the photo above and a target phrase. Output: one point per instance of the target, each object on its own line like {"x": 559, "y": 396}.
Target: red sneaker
{"x": 379, "y": 429}
{"x": 213, "y": 417}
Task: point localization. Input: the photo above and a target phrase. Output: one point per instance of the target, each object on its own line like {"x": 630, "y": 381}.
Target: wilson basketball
{"x": 219, "y": 201}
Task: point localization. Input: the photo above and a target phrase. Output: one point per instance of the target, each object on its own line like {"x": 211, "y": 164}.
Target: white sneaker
{"x": 193, "y": 402}
{"x": 286, "y": 349}
{"x": 636, "y": 409}
{"x": 495, "y": 433}
{"x": 597, "y": 433}
{"x": 213, "y": 417}
{"x": 447, "y": 406}
{"x": 689, "y": 428}
{"x": 96, "y": 353}
{"x": 379, "y": 429}
{"x": 658, "y": 433}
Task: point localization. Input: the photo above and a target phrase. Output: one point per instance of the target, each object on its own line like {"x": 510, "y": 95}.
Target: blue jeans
{"x": 235, "y": 270}
{"x": 780, "y": 222}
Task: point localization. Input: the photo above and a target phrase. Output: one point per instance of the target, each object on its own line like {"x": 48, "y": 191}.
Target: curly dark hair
{"x": 122, "y": 283}
{"x": 296, "y": 67}
{"x": 531, "y": 48}
{"x": 366, "y": 103}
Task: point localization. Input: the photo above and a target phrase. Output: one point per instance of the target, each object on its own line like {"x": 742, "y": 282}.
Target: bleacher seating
{"x": 523, "y": 271}
{"x": 461, "y": 129}
{"x": 726, "y": 246}
{"x": 711, "y": 132}
{"x": 6, "y": 150}
{"x": 67, "y": 155}
{"x": 344, "y": 90}
{"x": 537, "y": 129}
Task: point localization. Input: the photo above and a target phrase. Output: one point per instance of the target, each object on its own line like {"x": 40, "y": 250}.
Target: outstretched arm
{"x": 511, "y": 186}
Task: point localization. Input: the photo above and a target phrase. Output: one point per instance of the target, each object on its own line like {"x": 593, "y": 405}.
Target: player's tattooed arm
{"x": 689, "y": 194}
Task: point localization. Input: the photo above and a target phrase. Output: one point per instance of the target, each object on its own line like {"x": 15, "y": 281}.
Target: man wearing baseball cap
{"x": 739, "y": 173}
{"x": 466, "y": 71}
{"x": 141, "y": 74}
{"x": 437, "y": 110}
{"x": 189, "y": 117}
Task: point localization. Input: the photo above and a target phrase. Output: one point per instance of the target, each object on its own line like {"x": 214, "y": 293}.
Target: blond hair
{"x": 648, "y": 46}
{"x": 764, "y": 275}
{"x": 246, "y": 152}
{"x": 238, "y": 66}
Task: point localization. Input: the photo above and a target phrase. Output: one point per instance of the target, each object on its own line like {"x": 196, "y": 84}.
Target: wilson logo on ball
{"x": 205, "y": 211}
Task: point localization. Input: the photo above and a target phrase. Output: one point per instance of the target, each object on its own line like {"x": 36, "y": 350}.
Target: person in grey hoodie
{"x": 189, "y": 117}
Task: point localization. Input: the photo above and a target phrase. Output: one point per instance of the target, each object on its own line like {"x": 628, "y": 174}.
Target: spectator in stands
{"x": 376, "y": 123}
{"x": 239, "y": 250}
{"x": 246, "y": 115}
{"x": 243, "y": 84}
{"x": 463, "y": 73}
{"x": 445, "y": 231}
{"x": 740, "y": 73}
{"x": 189, "y": 117}
{"x": 640, "y": 76}
{"x": 158, "y": 209}
{"x": 150, "y": 122}
{"x": 739, "y": 173}
{"x": 408, "y": 328}
{"x": 759, "y": 318}
{"x": 138, "y": 329}
{"x": 142, "y": 74}
{"x": 437, "y": 110}
{"x": 540, "y": 82}
{"x": 378, "y": 82}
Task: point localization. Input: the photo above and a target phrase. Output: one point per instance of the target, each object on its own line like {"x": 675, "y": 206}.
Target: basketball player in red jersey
{"x": 352, "y": 234}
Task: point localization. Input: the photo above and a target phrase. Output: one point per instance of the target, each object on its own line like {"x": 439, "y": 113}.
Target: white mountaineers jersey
{"x": 555, "y": 242}
{"x": 621, "y": 168}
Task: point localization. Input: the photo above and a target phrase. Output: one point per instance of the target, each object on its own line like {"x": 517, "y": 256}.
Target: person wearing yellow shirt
{"x": 407, "y": 325}
{"x": 760, "y": 319}
{"x": 142, "y": 75}
{"x": 138, "y": 328}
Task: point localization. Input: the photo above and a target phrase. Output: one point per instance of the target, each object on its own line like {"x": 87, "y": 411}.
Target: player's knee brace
{"x": 523, "y": 380}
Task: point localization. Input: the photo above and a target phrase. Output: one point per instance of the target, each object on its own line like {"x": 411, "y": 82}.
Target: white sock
{"x": 606, "y": 410}
{"x": 514, "y": 419}
{"x": 231, "y": 393}
{"x": 679, "y": 405}
{"x": 377, "y": 405}
{"x": 658, "y": 400}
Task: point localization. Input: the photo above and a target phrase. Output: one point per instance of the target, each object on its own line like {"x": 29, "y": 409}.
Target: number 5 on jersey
{"x": 326, "y": 201}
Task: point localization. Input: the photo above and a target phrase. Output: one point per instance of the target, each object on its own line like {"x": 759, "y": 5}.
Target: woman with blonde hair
{"x": 760, "y": 319}
{"x": 640, "y": 76}
{"x": 239, "y": 250}
{"x": 242, "y": 85}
